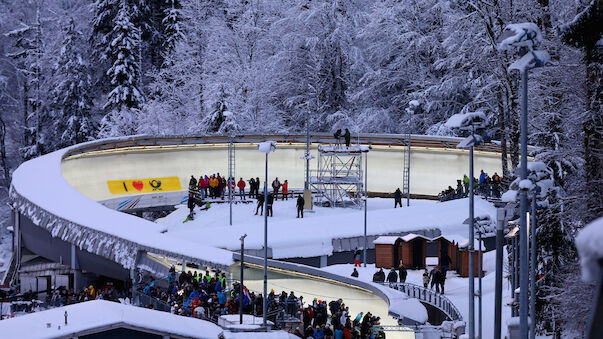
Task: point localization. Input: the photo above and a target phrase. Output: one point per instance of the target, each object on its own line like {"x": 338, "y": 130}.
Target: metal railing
{"x": 428, "y": 296}
{"x": 143, "y": 300}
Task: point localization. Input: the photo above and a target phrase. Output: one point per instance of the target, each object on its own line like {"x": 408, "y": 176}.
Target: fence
{"x": 428, "y": 296}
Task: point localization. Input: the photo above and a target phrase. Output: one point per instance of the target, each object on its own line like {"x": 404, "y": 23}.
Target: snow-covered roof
{"x": 100, "y": 313}
{"x": 73, "y": 217}
{"x": 590, "y": 247}
{"x": 412, "y": 236}
{"x": 386, "y": 240}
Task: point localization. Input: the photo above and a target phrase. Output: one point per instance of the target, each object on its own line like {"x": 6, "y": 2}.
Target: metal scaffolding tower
{"x": 339, "y": 177}
{"x": 406, "y": 170}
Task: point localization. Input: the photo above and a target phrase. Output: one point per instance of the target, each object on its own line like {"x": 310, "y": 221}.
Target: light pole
{"x": 533, "y": 263}
{"x": 526, "y": 37}
{"x": 365, "y": 200}
{"x": 242, "y": 238}
{"x": 500, "y": 224}
{"x": 266, "y": 147}
{"x": 470, "y": 121}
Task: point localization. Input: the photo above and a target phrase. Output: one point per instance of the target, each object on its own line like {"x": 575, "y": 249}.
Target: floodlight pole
{"x": 242, "y": 271}
{"x": 230, "y": 178}
{"x": 365, "y": 202}
{"x": 500, "y": 224}
{"x": 479, "y": 271}
{"x": 470, "y": 246}
{"x": 265, "y": 304}
{"x": 523, "y": 195}
{"x": 533, "y": 268}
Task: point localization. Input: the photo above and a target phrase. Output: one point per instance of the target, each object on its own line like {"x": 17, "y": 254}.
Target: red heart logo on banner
{"x": 138, "y": 185}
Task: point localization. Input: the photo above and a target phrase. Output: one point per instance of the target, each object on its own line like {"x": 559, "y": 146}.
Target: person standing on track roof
{"x": 347, "y": 137}
{"x": 397, "y": 198}
{"x": 241, "y": 185}
{"x": 276, "y": 185}
{"x": 260, "y": 206}
{"x": 300, "y": 206}
{"x": 269, "y": 202}
{"x": 285, "y": 186}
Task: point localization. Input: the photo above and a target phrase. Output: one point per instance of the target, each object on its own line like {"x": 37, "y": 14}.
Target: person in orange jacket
{"x": 241, "y": 185}
{"x": 285, "y": 187}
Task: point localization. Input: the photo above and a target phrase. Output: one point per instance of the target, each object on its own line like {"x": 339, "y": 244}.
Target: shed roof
{"x": 386, "y": 240}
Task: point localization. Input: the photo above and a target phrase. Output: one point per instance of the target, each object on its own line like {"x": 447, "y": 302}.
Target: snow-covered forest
{"x": 77, "y": 70}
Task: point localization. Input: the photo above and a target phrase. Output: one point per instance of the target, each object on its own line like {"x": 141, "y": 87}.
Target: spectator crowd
{"x": 484, "y": 185}
{"x": 208, "y": 296}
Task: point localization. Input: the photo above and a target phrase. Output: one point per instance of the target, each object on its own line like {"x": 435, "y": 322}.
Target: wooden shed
{"x": 387, "y": 251}
{"x": 448, "y": 245}
{"x": 463, "y": 260}
{"x": 413, "y": 250}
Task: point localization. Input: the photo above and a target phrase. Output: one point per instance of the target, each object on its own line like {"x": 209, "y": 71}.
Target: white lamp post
{"x": 266, "y": 147}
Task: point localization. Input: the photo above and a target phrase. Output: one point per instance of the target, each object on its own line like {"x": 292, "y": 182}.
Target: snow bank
{"x": 100, "y": 313}
{"x": 71, "y": 216}
{"x": 590, "y": 247}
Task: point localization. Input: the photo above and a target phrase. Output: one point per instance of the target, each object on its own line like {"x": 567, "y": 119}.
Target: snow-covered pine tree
{"x": 29, "y": 53}
{"x": 72, "y": 102}
{"x": 125, "y": 97}
{"x": 584, "y": 32}
{"x": 172, "y": 32}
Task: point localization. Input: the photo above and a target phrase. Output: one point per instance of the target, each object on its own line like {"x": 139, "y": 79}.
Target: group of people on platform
{"x": 216, "y": 186}
{"x": 485, "y": 185}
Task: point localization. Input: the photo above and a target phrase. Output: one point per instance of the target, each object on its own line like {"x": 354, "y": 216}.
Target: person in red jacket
{"x": 285, "y": 187}
{"x": 241, "y": 185}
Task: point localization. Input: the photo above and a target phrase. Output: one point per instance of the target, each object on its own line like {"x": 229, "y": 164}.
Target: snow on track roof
{"x": 39, "y": 191}
{"x": 100, "y": 313}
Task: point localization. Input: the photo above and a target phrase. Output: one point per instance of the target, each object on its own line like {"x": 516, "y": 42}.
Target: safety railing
{"x": 428, "y": 296}
{"x": 143, "y": 300}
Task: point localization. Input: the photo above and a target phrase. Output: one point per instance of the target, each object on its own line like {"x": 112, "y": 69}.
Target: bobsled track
{"x": 66, "y": 203}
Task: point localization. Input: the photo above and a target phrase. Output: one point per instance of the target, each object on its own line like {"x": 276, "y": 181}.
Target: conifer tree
{"x": 72, "y": 101}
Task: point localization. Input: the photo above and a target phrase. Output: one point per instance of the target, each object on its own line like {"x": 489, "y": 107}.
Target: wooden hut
{"x": 387, "y": 251}
{"x": 413, "y": 250}
{"x": 448, "y": 245}
{"x": 463, "y": 260}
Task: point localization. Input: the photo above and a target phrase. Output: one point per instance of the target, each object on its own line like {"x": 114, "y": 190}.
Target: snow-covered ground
{"x": 456, "y": 289}
{"x": 311, "y": 236}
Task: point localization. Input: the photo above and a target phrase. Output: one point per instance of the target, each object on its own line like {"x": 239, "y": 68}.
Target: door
{"x": 417, "y": 253}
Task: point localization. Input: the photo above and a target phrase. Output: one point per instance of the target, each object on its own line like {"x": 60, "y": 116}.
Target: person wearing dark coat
{"x": 392, "y": 277}
{"x": 269, "y": 202}
{"x": 379, "y": 276}
{"x": 300, "y": 206}
{"x": 397, "y": 198}
{"x": 436, "y": 278}
{"x": 260, "y": 205}
{"x": 191, "y": 205}
{"x": 192, "y": 184}
{"x": 337, "y": 136}
{"x": 402, "y": 272}
{"x": 251, "y": 188}
{"x": 444, "y": 263}
{"x": 355, "y": 273}
{"x": 347, "y": 137}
